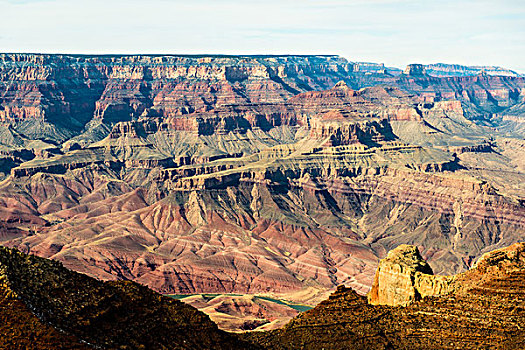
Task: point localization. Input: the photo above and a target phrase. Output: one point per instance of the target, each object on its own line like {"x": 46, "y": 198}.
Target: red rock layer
{"x": 62, "y": 89}
{"x": 69, "y": 91}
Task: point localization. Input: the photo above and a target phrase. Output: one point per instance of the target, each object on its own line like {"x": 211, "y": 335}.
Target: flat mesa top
{"x": 163, "y": 55}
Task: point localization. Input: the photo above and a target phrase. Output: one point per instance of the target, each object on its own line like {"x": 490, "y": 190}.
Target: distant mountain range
{"x": 439, "y": 70}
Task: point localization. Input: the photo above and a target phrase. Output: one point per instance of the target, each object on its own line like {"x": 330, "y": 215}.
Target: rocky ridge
{"x": 49, "y": 306}
{"x": 449, "y": 70}
{"x": 484, "y": 310}
{"x": 101, "y": 314}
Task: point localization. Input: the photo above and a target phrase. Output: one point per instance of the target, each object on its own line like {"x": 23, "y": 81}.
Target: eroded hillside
{"x": 261, "y": 174}
{"x": 45, "y": 297}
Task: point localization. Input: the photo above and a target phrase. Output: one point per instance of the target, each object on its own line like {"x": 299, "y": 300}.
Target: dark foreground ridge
{"x": 91, "y": 313}
{"x": 45, "y": 306}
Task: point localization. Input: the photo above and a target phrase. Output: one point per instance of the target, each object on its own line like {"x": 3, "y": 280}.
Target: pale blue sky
{"x": 396, "y": 32}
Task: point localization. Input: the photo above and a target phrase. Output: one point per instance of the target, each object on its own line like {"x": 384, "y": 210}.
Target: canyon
{"x": 276, "y": 176}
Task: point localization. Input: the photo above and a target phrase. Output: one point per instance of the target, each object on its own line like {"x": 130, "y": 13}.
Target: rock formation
{"x": 415, "y": 70}
{"x": 403, "y": 277}
{"x": 484, "y": 310}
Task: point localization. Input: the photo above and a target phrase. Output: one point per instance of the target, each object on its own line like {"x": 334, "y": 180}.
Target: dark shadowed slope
{"x": 103, "y": 314}
{"x": 21, "y": 329}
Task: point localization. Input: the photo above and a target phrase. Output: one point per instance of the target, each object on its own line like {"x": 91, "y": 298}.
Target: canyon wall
{"x": 254, "y": 174}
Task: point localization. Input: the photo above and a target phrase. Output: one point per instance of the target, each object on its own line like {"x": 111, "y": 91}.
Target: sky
{"x": 394, "y": 32}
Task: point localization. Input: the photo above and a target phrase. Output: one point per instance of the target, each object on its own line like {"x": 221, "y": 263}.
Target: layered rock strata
{"x": 242, "y": 175}
{"x": 68, "y": 91}
{"x": 55, "y": 96}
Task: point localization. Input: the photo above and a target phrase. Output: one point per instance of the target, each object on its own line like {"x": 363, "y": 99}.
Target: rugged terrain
{"x": 58, "y": 308}
{"x": 484, "y": 309}
{"x": 45, "y": 306}
{"x": 276, "y": 175}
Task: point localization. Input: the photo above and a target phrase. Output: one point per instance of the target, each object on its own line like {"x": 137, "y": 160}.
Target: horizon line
{"x": 203, "y": 55}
